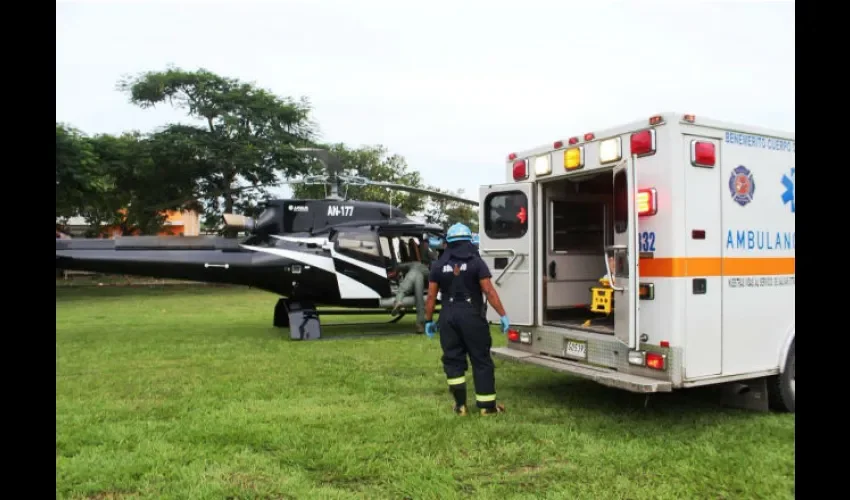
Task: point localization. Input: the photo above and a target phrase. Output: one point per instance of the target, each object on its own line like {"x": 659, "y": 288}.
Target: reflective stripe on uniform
{"x": 456, "y": 380}
{"x": 485, "y": 397}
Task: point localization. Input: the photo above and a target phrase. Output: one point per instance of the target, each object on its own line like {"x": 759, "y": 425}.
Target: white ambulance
{"x": 681, "y": 227}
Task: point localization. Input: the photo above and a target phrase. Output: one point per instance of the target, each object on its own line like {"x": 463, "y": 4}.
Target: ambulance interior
{"x": 578, "y": 214}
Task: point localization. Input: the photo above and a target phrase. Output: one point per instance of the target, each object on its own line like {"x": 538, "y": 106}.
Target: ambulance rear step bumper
{"x": 610, "y": 378}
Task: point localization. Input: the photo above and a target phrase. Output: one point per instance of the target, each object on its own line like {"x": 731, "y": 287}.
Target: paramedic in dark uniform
{"x": 463, "y": 279}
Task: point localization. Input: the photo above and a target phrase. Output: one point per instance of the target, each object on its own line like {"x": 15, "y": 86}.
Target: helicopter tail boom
{"x": 216, "y": 260}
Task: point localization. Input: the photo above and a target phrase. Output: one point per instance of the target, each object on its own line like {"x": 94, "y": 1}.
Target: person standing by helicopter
{"x": 416, "y": 274}
{"x": 414, "y": 281}
{"x": 463, "y": 279}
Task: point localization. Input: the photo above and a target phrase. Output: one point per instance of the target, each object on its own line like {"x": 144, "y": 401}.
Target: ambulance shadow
{"x": 688, "y": 404}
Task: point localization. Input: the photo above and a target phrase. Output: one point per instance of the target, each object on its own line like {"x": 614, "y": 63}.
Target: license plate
{"x": 575, "y": 349}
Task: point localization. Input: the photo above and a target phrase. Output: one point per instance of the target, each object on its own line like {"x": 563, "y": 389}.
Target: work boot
{"x": 500, "y": 408}
{"x": 460, "y": 410}
{"x": 420, "y": 328}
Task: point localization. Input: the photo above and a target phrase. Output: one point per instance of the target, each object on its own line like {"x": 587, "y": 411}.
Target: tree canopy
{"x": 240, "y": 140}
{"x": 79, "y": 177}
{"x": 125, "y": 181}
{"x": 245, "y": 133}
{"x": 447, "y": 212}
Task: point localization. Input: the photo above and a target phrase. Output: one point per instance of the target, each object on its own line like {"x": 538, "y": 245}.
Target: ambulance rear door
{"x": 624, "y": 253}
{"x": 507, "y": 231}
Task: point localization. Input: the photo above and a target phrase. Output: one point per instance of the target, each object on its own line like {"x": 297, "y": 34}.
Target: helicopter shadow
{"x": 75, "y": 293}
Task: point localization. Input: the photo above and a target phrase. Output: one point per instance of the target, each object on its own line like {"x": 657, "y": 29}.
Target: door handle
{"x": 552, "y": 272}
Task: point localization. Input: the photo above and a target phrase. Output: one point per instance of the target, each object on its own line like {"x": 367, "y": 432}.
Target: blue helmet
{"x": 434, "y": 242}
{"x": 476, "y": 240}
{"x": 458, "y": 232}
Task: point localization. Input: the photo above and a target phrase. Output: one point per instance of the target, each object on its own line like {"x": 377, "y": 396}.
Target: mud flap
{"x": 746, "y": 395}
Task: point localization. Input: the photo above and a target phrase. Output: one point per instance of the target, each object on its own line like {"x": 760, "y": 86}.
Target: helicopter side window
{"x": 413, "y": 250}
{"x": 401, "y": 248}
{"x": 387, "y": 249}
{"x": 361, "y": 246}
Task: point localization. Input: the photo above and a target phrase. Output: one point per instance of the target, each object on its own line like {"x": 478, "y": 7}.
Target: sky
{"x": 451, "y": 86}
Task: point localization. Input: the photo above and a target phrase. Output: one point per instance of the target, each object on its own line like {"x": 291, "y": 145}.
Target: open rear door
{"x": 506, "y": 242}
{"x": 624, "y": 253}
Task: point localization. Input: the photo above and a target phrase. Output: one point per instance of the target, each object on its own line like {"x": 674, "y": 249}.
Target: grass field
{"x": 188, "y": 392}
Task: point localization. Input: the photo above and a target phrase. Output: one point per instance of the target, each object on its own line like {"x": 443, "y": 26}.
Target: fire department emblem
{"x": 742, "y": 185}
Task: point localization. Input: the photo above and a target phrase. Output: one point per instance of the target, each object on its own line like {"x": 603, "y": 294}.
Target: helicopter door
{"x": 361, "y": 270}
{"x": 506, "y": 239}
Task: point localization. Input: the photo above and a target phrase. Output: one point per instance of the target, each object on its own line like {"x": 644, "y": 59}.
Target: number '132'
{"x": 647, "y": 241}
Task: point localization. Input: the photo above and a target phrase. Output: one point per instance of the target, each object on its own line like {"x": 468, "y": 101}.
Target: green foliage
{"x": 448, "y": 212}
{"x": 79, "y": 176}
{"x": 375, "y": 164}
{"x": 149, "y": 178}
{"x": 245, "y": 134}
{"x": 124, "y": 181}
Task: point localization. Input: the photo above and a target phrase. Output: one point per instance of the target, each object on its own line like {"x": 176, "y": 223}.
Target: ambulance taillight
{"x": 643, "y": 143}
{"x": 647, "y": 202}
{"x": 513, "y": 335}
{"x": 520, "y": 170}
{"x": 655, "y": 360}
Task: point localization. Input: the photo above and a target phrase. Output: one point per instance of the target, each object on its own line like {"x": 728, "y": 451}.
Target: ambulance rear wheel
{"x": 783, "y": 387}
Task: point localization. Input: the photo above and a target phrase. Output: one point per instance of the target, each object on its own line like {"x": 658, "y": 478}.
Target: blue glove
{"x": 430, "y": 329}
{"x": 505, "y": 323}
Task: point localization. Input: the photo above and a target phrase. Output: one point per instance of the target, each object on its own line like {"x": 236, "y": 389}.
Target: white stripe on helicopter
{"x": 321, "y": 241}
{"x": 306, "y": 239}
{"x": 349, "y": 288}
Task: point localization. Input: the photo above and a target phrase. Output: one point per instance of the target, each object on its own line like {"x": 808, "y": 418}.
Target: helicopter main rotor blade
{"x": 428, "y": 192}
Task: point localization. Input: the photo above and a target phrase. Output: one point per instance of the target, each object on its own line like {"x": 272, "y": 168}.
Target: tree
{"x": 448, "y": 212}
{"x": 248, "y": 133}
{"x": 79, "y": 176}
{"x": 375, "y": 164}
{"x": 149, "y": 176}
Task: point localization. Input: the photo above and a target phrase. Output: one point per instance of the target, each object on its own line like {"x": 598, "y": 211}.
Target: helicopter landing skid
{"x": 303, "y": 321}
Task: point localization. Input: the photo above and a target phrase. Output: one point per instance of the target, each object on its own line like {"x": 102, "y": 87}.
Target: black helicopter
{"x": 330, "y": 252}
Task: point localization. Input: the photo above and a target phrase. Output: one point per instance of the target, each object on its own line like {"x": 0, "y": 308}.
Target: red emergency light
{"x": 520, "y": 170}
{"x": 643, "y": 143}
{"x": 558, "y": 144}
{"x": 589, "y": 136}
{"x": 512, "y": 157}
{"x": 513, "y": 335}
{"x": 703, "y": 154}
{"x": 573, "y": 140}
{"x": 647, "y": 202}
